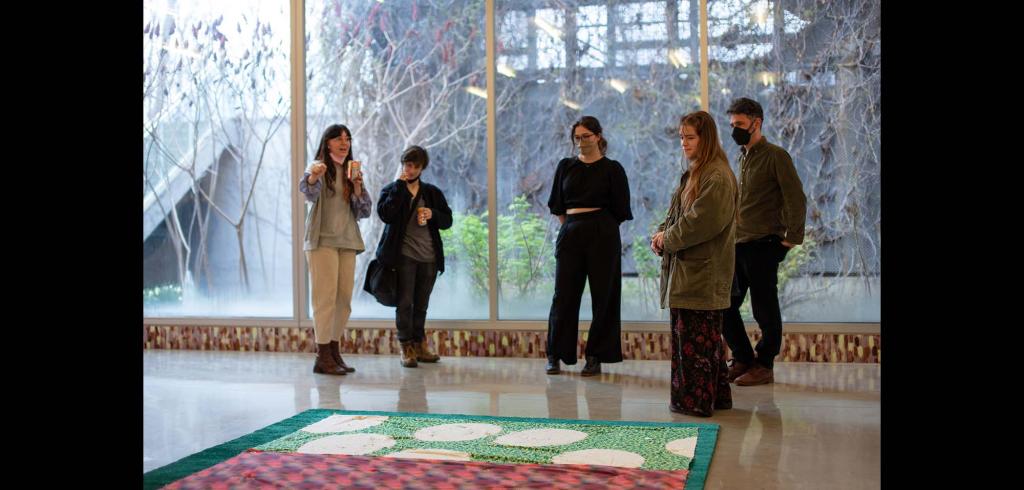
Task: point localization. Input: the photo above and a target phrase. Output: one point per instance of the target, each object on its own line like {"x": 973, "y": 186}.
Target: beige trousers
{"x": 332, "y": 273}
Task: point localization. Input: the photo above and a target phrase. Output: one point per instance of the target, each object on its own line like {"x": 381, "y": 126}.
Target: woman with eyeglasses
{"x": 590, "y": 196}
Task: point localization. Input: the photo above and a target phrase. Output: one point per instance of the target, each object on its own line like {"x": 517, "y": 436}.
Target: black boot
{"x": 593, "y": 367}
{"x": 554, "y": 366}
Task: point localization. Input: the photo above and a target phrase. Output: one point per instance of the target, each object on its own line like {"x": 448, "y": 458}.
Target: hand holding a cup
{"x": 355, "y": 175}
{"x": 423, "y": 215}
{"x": 354, "y": 171}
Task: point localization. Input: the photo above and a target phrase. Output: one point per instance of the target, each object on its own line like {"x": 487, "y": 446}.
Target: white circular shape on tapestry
{"x": 445, "y": 454}
{"x": 683, "y": 447}
{"x": 344, "y": 423}
{"x": 348, "y": 444}
{"x": 602, "y": 457}
{"x": 456, "y": 432}
{"x": 541, "y": 437}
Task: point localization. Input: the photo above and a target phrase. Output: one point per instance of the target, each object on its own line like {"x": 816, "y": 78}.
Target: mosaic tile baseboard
{"x": 653, "y": 346}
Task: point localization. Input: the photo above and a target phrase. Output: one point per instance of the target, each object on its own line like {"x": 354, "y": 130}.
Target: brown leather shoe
{"x": 336, "y": 354}
{"x": 423, "y": 353}
{"x": 737, "y": 369}
{"x": 757, "y": 375}
{"x": 325, "y": 362}
{"x": 408, "y": 354}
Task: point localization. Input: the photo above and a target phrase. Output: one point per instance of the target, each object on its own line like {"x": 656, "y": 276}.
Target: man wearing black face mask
{"x": 770, "y": 221}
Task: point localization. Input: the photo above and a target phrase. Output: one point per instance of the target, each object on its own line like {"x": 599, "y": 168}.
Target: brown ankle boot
{"x": 336, "y": 354}
{"x": 423, "y": 353}
{"x": 408, "y": 354}
{"x": 325, "y": 362}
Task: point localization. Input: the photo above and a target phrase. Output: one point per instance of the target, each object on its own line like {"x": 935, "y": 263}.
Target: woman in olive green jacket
{"x": 698, "y": 258}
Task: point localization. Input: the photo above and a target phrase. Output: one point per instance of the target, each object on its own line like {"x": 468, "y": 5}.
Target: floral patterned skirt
{"x": 700, "y": 377}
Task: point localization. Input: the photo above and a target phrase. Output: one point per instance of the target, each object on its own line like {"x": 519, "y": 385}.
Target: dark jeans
{"x": 757, "y": 269}
{"x": 588, "y": 247}
{"x": 415, "y": 282}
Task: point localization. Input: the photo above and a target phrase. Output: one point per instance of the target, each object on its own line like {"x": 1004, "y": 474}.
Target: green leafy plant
{"x": 167, "y": 293}
{"x": 525, "y": 248}
{"x": 648, "y": 266}
{"x": 466, "y": 246}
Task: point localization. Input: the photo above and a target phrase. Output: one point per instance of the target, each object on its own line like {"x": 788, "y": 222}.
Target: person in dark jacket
{"x": 413, "y": 212}
{"x": 771, "y": 213}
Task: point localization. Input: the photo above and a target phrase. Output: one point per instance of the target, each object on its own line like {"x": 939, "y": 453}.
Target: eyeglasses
{"x": 581, "y": 137}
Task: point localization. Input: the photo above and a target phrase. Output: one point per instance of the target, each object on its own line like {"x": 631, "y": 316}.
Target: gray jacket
{"x": 361, "y": 207}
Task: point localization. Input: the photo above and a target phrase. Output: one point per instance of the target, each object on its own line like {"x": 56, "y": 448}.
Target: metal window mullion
{"x": 705, "y": 103}
{"x": 492, "y": 166}
{"x": 298, "y": 142}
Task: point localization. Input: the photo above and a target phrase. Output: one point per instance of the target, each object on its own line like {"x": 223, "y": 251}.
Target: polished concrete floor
{"x": 817, "y": 427}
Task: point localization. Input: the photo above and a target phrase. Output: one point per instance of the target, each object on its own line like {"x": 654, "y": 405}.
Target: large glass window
{"x": 638, "y": 99}
{"x": 815, "y": 68}
{"x": 400, "y": 74}
{"x": 216, "y": 159}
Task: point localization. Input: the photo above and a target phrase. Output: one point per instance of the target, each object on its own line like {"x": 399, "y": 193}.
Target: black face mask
{"x": 742, "y": 136}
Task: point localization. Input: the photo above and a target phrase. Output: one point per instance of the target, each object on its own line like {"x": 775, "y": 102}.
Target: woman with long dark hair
{"x": 334, "y": 184}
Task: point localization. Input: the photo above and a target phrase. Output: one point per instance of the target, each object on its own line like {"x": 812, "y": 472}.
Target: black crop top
{"x": 601, "y": 184}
